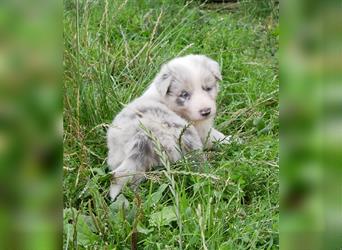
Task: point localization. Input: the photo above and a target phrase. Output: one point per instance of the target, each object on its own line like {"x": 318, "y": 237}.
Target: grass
{"x": 112, "y": 50}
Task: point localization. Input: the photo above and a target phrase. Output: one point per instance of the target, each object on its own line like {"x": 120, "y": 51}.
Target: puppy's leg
{"x": 191, "y": 140}
{"x": 217, "y": 136}
{"x": 124, "y": 173}
{"x": 209, "y": 134}
{"x": 115, "y": 157}
{"x": 116, "y": 153}
{"x": 133, "y": 167}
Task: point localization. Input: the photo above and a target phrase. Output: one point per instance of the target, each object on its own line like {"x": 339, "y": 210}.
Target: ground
{"x": 112, "y": 51}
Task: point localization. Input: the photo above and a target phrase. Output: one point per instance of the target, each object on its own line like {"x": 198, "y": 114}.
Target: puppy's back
{"x": 132, "y": 149}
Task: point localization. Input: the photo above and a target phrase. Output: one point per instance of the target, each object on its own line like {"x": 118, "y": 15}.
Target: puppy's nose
{"x": 205, "y": 112}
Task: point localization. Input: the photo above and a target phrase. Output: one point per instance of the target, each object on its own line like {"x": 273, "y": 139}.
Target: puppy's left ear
{"x": 163, "y": 80}
{"x": 213, "y": 67}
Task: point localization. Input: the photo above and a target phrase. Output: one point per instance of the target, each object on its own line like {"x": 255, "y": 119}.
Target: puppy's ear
{"x": 213, "y": 67}
{"x": 163, "y": 80}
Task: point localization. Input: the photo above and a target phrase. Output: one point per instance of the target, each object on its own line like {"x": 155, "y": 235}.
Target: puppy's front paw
{"x": 219, "y": 137}
{"x": 230, "y": 139}
{"x": 226, "y": 140}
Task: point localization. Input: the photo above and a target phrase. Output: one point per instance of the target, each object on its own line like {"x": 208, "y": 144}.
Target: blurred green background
{"x": 311, "y": 125}
{"x": 30, "y": 124}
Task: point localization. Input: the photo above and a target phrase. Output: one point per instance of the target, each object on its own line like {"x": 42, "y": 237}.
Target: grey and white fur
{"x": 182, "y": 95}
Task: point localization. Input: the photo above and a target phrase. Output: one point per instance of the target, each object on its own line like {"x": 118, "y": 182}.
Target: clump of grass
{"x": 261, "y": 9}
{"x": 113, "y": 49}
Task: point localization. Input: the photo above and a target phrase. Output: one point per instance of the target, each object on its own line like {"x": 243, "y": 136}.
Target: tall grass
{"x": 112, "y": 51}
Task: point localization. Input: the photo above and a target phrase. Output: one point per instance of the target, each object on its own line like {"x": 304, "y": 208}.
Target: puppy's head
{"x": 188, "y": 86}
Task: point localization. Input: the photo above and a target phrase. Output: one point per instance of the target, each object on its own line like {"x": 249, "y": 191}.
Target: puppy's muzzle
{"x": 205, "y": 112}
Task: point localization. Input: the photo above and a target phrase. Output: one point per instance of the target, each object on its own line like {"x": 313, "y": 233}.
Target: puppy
{"x": 178, "y": 108}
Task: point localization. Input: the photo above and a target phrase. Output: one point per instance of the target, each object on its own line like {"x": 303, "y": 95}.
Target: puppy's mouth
{"x": 199, "y": 119}
{"x": 203, "y": 118}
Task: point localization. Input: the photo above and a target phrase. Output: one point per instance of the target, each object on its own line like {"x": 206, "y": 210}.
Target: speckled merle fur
{"x": 170, "y": 109}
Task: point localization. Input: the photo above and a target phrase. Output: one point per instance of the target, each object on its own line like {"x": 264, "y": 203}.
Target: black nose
{"x": 205, "y": 112}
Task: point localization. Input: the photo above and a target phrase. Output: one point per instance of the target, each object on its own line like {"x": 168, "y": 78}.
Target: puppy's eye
{"x": 207, "y": 88}
{"x": 185, "y": 94}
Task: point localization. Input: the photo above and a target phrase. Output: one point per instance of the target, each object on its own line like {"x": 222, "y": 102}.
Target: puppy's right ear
{"x": 163, "y": 80}
{"x": 213, "y": 67}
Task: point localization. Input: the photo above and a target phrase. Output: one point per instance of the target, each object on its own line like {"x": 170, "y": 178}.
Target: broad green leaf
{"x": 143, "y": 230}
{"x": 156, "y": 196}
{"x": 85, "y": 228}
{"x": 119, "y": 203}
{"x": 164, "y": 217}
